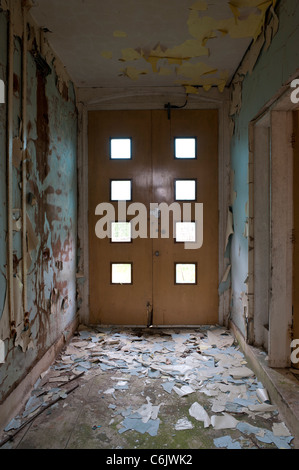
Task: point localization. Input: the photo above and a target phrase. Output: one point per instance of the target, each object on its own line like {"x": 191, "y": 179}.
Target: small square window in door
{"x": 185, "y": 232}
{"x": 121, "y": 149}
{"x": 185, "y": 190}
{"x": 185, "y": 273}
{"x": 185, "y": 148}
{"x": 121, "y": 273}
{"x": 121, "y": 232}
{"x": 121, "y": 190}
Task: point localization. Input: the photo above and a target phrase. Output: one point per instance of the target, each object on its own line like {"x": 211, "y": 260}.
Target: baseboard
{"x": 18, "y": 398}
{"x": 282, "y": 386}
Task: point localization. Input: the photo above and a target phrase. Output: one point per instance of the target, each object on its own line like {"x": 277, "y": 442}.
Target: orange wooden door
{"x": 174, "y": 301}
{"x": 132, "y": 278}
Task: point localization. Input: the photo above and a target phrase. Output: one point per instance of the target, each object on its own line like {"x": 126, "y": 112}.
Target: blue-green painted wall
{"x": 273, "y": 69}
{"x": 52, "y": 186}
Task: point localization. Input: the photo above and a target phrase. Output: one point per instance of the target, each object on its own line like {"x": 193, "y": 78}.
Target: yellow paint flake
{"x": 248, "y": 23}
{"x": 133, "y": 73}
{"x": 154, "y": 56}
{"x": 207, "y": 83}
{"x": 200, "y": 5}
{"x": 210, "y": 35}
{"x": 191, "y": 90}
{"x": 189, "y": 49}
{"x": 153, "y": 60}
{"x": 107, "y": 54}
{"x": 224, "y": 32}
{"x": 176, "y": 55}
{"x": 235, "y": 11}
{"x": 202, "y": 27}
{"x": 194, "y": 72}
{"x": 130, "y": 54}
{"x": 248, "y": 28}
{"x": 251, "y": 3}
{"x": 174, "y": 61}
{"x": 221, "y": 86}
{"x": 120, "y": 34}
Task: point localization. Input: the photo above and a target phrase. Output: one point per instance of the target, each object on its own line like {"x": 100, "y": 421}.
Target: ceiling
{"x": 151, "y": 43}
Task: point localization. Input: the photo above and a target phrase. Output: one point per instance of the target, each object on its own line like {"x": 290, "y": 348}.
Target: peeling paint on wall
{"x": 49, "y": 163}
{"x": 262, "y": 41}
{"x": 270, "y": 62}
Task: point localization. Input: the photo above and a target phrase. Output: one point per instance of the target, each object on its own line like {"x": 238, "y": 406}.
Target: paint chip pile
{"x": 204, "y": 366}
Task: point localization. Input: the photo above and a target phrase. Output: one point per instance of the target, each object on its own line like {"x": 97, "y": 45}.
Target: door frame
{"x": 270, "y": 139}
{"x": 143, "y": 99}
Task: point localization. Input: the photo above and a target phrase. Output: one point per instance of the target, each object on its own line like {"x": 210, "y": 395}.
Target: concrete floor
{"x": 132, "y": 388}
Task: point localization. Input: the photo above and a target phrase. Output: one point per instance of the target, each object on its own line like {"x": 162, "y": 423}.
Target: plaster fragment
{"x": 2, "y": 352}
{"x": 225, "y": 277}
{"x": 236, "y": 97}
{"x": 17, "y": 225}
{"x": 280, "y": 429}
{"x": 224, "y": 422}
{"x": 183, "y": 424}
{"x": 241, "y": 372}
{"x": 227, "y": 443}
{"x": 229, "y": 227}
{"x": 24, "y": 339}
{"x": 200, "y": 414}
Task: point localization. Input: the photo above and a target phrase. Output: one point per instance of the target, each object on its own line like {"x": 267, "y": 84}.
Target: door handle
{"x": 157, "y": 253}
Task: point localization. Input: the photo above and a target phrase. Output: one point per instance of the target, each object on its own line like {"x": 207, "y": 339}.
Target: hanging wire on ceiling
{"x": 169, "y": 107}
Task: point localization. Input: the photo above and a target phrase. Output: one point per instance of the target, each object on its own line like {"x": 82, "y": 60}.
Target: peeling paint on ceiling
{"x": 152, "y": 43}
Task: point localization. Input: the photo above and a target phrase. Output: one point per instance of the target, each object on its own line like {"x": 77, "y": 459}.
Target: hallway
{"x": 150, "y": 389}
{"x": 149, "y": 224}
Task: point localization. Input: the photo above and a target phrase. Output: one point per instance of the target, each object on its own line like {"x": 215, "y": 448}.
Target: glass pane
{"x": 121, "y": 149}
{"x": 121, "y": 273}
{"x": 185, "y": 232}
{"x": 121, "y": 232}
{"x": 185, "y": 274}
{"x": 185, "y": 190}
{"x": 185, "y": 148}
{"x": 121, "y": 190}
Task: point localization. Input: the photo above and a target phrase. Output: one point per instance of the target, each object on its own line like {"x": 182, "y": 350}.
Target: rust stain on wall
{"x": 16, "y": 85}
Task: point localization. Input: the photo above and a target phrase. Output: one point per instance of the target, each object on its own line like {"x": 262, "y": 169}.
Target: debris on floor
{"x": 156, "y": 386}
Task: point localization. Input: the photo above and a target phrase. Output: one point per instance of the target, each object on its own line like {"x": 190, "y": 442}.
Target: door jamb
{"x": 277, "y": 117}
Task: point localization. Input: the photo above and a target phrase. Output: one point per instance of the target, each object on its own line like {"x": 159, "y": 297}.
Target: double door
{"x": 153, "y": 217}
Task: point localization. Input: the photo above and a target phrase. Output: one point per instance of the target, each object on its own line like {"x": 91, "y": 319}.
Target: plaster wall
{"x": 275, "y": 66}
{"x": 51, "y": 202}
